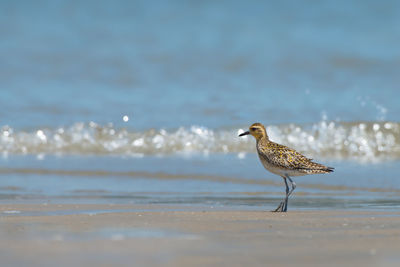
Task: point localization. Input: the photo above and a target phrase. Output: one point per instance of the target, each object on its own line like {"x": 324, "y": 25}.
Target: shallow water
{"x": 142, "y": 103}
{"x": 223, "y": 180}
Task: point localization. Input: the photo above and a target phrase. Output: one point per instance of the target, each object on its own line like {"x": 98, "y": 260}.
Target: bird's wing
{"x": 285, "y": 157}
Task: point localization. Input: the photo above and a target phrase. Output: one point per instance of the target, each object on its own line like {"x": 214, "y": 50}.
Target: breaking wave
{"x": 361, "y": 141}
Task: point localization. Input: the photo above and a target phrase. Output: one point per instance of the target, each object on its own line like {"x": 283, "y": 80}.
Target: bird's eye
{"x": 253, "y": 129}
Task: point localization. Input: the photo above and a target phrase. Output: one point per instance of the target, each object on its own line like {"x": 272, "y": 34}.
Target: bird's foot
{"x": 280, "y": 208}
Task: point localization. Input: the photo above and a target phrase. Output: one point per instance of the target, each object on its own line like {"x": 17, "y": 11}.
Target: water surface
{"x": 132, "y": 101}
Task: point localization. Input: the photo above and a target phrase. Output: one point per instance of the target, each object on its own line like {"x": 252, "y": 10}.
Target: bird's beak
{"x": 245, "y": 133}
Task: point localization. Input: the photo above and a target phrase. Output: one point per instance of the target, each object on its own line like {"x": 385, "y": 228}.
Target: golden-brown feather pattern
{"x": 286, "y": 158}
{"x": 283, "y": 161}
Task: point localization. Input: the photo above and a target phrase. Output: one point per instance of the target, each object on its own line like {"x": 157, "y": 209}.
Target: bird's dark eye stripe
{"x": 253, "y": 129}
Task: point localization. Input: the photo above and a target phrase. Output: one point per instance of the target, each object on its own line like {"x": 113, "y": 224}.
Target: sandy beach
{"x": 160, "y": 235}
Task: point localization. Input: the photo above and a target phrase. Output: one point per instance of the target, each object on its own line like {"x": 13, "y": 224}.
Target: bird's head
{"x": 257, "y": 130}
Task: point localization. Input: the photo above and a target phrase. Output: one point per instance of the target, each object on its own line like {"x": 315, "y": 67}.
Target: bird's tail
{"x": 316, "y": 168}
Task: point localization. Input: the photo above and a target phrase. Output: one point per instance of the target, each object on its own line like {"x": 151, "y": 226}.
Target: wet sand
{"x": 160, "y": 235}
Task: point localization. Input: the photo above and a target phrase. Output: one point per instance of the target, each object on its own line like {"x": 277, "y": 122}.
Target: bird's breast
{"x": 278, "y": 170}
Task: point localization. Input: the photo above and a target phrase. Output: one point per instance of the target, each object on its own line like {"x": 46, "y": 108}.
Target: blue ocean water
{"x": 174, "y": 79}
{"x": 215, "y": 63}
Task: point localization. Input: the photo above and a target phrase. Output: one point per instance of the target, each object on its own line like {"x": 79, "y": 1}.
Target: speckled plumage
{"x": 282, "y": 160}
{"x": 287, "y": 160}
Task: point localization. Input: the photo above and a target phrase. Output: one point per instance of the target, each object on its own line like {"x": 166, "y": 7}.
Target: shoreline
{"x": 172, "y": 235}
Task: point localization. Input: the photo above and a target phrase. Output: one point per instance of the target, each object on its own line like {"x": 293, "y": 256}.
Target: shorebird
{"x": 283, "y": 161}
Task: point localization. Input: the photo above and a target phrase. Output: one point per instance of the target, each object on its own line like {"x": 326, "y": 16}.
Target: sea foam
{"x": 361, "y": 141}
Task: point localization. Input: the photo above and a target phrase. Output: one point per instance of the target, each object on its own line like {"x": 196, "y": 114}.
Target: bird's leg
{"x": 287, "y": 195}
{"x": 292, "y": 183}
{"x": 283, "y": 205}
